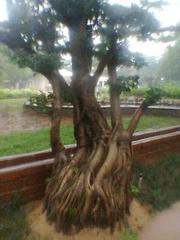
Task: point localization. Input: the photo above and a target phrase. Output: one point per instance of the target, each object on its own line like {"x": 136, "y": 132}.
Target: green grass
{"x": 29, "y": 141}
{"x": 11, "y": 105}
{"x": 13, "y": 225}
{"x": 153, "y": 122}
{"x": 128, "y": 235}
{"x": 161, "y": 182}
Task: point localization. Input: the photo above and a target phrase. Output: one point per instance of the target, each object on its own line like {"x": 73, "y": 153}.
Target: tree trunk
{"x": 56, "y": 113}
{"x": 91, "y": 188}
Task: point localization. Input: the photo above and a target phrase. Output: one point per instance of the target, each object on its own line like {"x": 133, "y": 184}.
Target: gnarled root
{"x": 91, "y": 188}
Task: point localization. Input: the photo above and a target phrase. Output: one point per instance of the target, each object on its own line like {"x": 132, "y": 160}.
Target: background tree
{"x": 91, "y": 187}
{"x": 147, "y": 73}
{"x": 169, "y": 65}
{"x": 11, "y": 75}
{"x": 33, "y": 34}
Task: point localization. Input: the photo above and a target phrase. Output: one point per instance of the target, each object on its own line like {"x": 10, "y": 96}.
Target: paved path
{"x": 164, "y": 226}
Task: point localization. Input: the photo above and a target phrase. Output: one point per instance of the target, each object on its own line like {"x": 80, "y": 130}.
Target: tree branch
{"x": 135, "y": 119}
{"x": 99, "y": 70}
{"x": 59, "y": 79}
{"x": 55, "y": 139}
{"x": 116, "y": 115}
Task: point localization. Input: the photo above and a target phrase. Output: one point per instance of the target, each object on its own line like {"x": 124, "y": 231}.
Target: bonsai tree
{"x": 90, "y": 187}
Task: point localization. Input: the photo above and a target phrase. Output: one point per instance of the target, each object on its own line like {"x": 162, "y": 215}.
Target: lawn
{"x": 28, "y": 141}
{"x": 9, "y": 105}
{"x": 160, "y": 185}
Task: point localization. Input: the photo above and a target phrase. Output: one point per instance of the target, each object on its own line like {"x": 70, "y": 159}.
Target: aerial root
{"x": 87, "y": 191}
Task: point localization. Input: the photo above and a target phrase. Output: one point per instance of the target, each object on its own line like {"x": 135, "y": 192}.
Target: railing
{"x": 26, "y": 175}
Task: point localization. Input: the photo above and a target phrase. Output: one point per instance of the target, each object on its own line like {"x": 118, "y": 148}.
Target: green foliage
{"x": 152, "y": 96}
{"x": 13, "y": 225}
{"x": 169, "y": 91}
{"x": 33, "y": 35}
{"x": 169, "y": 65}
{"x": 128, "y": 235}
{"x": 37, "y": 36}
{"x": 6, "y": 93}
{"x": 161, "y": 182}
{"x": 134, "y": 189}
{"x": 10, "y": 74}
{"x": 42, "y": 63}
{"x": 66, "y": 95}
{"x": 41, "y": 102}
{"x": 139, "y": 92}
{"x": 125, "y": 84}
{"x": 71, "y": 12}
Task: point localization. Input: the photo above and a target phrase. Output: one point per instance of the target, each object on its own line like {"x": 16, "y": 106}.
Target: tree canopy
{"x": 38, "y": 36}
{"x": 10, "y": 74}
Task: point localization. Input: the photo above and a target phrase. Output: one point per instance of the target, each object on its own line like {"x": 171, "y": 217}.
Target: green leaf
{"x": 125, "y": 84}
{"x": 152, "y": 96}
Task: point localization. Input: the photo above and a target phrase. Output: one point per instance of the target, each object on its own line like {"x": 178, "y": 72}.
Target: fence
{"x": 26, "y": 175}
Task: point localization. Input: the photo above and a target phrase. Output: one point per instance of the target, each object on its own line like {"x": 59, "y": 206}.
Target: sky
{"x": 169, "y": 15}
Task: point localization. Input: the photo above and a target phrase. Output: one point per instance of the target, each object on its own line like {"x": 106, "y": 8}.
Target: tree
{"x": 147, "y": 74}
{"x": 10, "y": 74}
{"x": 91, "y": 187}
{"x": 169, "y": 65}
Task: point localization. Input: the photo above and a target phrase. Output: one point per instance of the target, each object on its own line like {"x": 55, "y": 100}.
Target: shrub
{"x": 172, "y": 91}
{"x": 13, "y": 225}
{"x": 41, "y": 103}
{"x": 169, "y": 91}
{"x": 6, "y": 93}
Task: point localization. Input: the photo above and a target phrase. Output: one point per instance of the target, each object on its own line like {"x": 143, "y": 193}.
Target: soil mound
{"x": 41, "y": 229}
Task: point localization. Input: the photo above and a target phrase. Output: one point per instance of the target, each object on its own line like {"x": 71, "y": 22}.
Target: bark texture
{"x": 91, "y": 187}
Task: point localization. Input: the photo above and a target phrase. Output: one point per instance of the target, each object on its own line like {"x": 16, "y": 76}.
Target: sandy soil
{"x": 40, "y": 228}
{"x": 164, "y": 226}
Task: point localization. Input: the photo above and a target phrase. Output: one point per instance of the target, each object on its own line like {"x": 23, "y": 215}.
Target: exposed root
{"x": 91, "y": 188}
